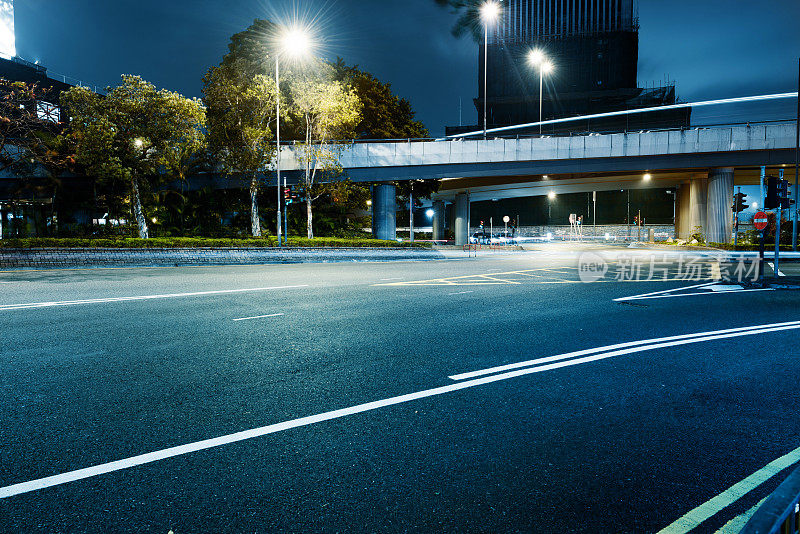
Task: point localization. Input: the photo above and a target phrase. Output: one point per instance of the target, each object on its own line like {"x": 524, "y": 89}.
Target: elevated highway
{"x": 703, "y": 163}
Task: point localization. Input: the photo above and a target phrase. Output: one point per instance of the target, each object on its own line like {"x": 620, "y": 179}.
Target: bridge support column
{"x": 384, "y": 212}
{"x": 438, "y": 220}
{"x": 461, "y": 227}
{"x": 698, "y": 191}
{"x": 719, "y": 217}
{"x": 683, "y": 212}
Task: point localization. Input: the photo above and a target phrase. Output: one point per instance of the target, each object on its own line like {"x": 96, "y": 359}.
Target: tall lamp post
{"x": 296, "y": 43}
{"x": 538, "y": 60}
{"x": 490, "y": 11}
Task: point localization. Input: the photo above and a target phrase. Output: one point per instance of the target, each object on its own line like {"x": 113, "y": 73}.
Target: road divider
{"x": 32, "y": 305}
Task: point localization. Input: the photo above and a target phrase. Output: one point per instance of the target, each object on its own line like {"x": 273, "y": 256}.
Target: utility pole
{"x": 628, "y": 220}
{"x": 594, "y": 214}
{"x": 411, "y": 213}
{"x": 778, "y": 233}
{"x": 796, "y": 167}
{"x": 736, "y": 220}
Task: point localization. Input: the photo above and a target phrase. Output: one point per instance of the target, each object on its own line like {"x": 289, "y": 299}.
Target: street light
{"x": 648, "y": 177}
{"x": 538, "y": 59}
{"x": 490, "y": 11}
{"x": 296, "y": 43}
{"x": 430, "y": 214}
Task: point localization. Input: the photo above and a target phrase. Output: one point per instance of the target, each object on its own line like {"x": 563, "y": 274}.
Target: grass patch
{"x": 202, "y": 242}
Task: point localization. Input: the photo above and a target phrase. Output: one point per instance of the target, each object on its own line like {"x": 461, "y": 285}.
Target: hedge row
{"x": 768, "y": 247}
{"x": 201, "y": 242}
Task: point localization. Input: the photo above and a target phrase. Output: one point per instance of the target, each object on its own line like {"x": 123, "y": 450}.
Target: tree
{"x": 384, "y": 115}
{"x": 323, "y": 111}
{"x": 187, "y": 153}
{"x": 29, "y": 130}
{"x": 469, "y": 20}
{"x": 126, "y": 136}
{"x": 240, "y": 110}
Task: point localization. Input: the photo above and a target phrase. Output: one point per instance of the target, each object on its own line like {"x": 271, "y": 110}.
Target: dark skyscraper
{"x": 594, "y": 48}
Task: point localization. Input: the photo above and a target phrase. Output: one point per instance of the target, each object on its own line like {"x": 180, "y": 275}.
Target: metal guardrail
{"x": 780, "y": 513}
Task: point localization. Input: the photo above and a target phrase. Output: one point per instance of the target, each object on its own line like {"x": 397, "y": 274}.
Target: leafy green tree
{"x": 241, "y": 110}
{"x": 385, "y": 115}
{"x": 323, "y": 112}
{"x": 127, "y": 136}
{"x": 187, "y": 154}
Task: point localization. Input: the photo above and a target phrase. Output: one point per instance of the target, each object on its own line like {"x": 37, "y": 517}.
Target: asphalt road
{"x": 626, "y": 443}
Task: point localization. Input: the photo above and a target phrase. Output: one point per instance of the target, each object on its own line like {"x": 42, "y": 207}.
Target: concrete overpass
{"x": 703, "y": 163}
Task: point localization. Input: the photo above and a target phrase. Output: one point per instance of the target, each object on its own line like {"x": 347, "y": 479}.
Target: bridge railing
{"x": 780, "y": 513}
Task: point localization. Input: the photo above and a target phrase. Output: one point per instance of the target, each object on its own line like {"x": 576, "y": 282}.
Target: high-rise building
{"x": 8, "y": 44}
{"x": 594, "y": 48}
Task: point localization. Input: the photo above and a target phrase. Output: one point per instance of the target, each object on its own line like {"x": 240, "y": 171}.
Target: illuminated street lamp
{"x": 537, "y": 59}
{"x": 648, "y": 177}
{"x": 490, "y": 11}
{"x": 295, "y": 43}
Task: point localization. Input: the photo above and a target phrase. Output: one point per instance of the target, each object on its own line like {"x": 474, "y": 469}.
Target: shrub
{"x": 202, "y": 242}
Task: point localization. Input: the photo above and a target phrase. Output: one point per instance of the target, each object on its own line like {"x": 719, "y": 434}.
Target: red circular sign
{"x": 760, "y": 221}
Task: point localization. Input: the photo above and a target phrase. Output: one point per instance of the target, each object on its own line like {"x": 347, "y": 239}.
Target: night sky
{"x": 712, "y": 48}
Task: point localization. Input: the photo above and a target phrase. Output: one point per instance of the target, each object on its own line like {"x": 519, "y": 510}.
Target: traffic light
{"x": 739, "y": 205}
{"x": 783, "y": 194}
{"x": 777, "y": 194}
{"x": 287, "y": 193}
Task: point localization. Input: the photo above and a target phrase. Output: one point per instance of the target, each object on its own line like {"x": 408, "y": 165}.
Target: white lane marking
{"x": 461, "y": 293}
{"x": 259, "y": 317}
{"x": 772, "y": 266}
{"x": 7, "y": 307}
{"x": 718, "y": 289}
{"x": 665, "y": 292}
{"x": 668, "y": 294}
{"x": 655, "y": 342}
{"x": 695, "y": 517}
{"x": 118, "y": 465}
{"x": 696, "y": 294}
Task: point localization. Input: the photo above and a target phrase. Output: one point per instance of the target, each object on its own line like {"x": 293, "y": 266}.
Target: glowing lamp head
{"x": 430, "y": 214}
{"x": 296, "y": 42}
{"x": 490, "y": 11}
{"x": 547, "y": 67}
{"x": 536, "y": 57}
{"x": 551, "y": 195}
{"x": 648, "y": 177}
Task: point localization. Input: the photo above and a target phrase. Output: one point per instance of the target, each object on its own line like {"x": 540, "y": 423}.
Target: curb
{"x": 52, "y": 258}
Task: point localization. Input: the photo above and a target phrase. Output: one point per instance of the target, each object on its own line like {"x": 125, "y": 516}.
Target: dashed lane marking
{"x": 259, "y": 317}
